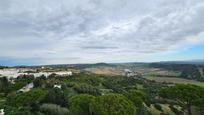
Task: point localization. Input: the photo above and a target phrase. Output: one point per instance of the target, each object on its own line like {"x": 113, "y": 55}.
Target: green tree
{"x": 21, "y": 111}
{"x": 112, "y": 104}
{"x": 185, "y": 95}
{"x": 25, "y": 78}
{"x": 137, "y": 97}
{"x": 84, "y": 88}
{"x": 56, "y": 96}
{"x": 199, "y": 102}
{"x": 26, "y": 99}
{"x": 4, "y": 84}
{"x": 79, "y": 104}
{"x": 38, "y": 82}
{"x": 52, "y": 109}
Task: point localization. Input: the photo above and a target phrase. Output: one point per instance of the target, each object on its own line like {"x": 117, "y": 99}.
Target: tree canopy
{"x": 80, "y": 104}
{"x": 184, "y": 95}
{"x": 112, "y": 104}
{"x": 56, "y": 96}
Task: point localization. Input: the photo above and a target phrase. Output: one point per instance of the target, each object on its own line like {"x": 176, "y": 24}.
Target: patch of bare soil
{"x": 104, "y": 71}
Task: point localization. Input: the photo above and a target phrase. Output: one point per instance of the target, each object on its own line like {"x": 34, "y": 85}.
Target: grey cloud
{"x": 98, "y": 47}
{"x": 95, "y": 29}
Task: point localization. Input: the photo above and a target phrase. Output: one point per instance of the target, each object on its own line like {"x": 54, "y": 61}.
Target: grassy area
{"x": 153, "y": 110}
{"x": 139, "y": 86}
{"x": 165, "y": 109}
{"x": 174, "y": 80}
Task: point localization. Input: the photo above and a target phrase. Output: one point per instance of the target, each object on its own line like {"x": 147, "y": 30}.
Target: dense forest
{"x": 91, "y": 94}
{"x": 79, "y": 66}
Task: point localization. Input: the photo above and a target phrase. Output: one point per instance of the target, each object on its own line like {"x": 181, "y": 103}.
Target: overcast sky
{"x": 90, "y": 31}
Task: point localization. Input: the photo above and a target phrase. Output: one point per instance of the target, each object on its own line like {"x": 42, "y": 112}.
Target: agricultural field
{"x": 104, "y": 70}
{"x": 174, "y": 80}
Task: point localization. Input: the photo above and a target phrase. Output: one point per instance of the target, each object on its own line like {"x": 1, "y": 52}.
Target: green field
{"x": 174, "y": 80}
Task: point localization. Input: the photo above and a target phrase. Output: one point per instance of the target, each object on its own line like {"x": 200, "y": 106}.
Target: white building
{"x": 27, "y": 88}
{"x": 46, "y": 74}
{"x": 2, "y": 112}
{"x": 64, "y": 73}
{"x": 130, "y": 73}
{"x": 9, "y": 73}
{"x": 14, "y": 73}
{"x": 58, "y": 86}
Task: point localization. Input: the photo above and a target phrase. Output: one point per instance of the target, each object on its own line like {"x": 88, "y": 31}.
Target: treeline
{"x": 188, "y": 71}
{"x": 3, "y": 67}
{"x": 79, "y": 66}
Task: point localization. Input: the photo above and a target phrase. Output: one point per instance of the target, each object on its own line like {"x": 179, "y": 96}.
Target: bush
{"x": 26, "y": 99}
{"x": 84, "y": 88}
{"x": 148, "y": 102}
{"x": 52, "y": 109}
{"x": 4, "y": 84}
{"x": 20, "y": 111}
{"x": 79, "y": 104}
{"x": 37, "y": 82}
{"x": 137, "y": 97}
{"x": 56, "y": 96}
{"x": 112, "y": 104}
{"x": 175, "y": 110}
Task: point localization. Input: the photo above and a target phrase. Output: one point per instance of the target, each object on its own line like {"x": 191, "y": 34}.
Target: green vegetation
{"x": 85, "y": 88}
{"x": 188, "y": 71}
{"x": 158, "y": 106}
{"x": 92, "y": 94}
{"x": 80, "y": 104}
{"x": 185, "y": 95}
{"x": 3, "y": 67}
{"x": 4, "y": 84}
{"x": 112, "y": 104}
{"x": 52, "y": 109}
{"x": 56, "y": 96}
{"x": 137, "y": 97}
{"x": 174, "y": 80}
{"x": 28, "y": 98}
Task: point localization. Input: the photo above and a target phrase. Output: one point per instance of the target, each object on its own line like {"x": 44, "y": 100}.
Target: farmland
{"x": 174, "y": 80}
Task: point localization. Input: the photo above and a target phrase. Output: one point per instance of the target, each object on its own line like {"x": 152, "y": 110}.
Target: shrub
{"x": 84, "y": 88}
{"x": 175, "y": 110}
{"x": 52, "y": 109}
{"x": 79, "y": 104}
{"x": 112, "y": 104}
{"x": 26, "y": 99}
{"x": 56, "y": 96}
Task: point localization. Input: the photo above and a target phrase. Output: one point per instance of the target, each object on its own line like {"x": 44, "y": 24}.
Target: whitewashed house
{"x": 26, "y": 88}
{"x": 2, "y": 112}
{"x": 130, "y": 73}
{"x": 64, "y": 73}
{"x": 58, "y": 86}
{"x": 46, "y": 74}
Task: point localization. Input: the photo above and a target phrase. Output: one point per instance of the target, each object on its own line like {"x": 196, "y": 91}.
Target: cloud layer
{"x": 84, "y": 31}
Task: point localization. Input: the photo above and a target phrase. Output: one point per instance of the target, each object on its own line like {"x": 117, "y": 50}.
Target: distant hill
{"x": 188, "y": 71}
{"x": 197, "y": 62}
{"x": 79, "y": 66}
